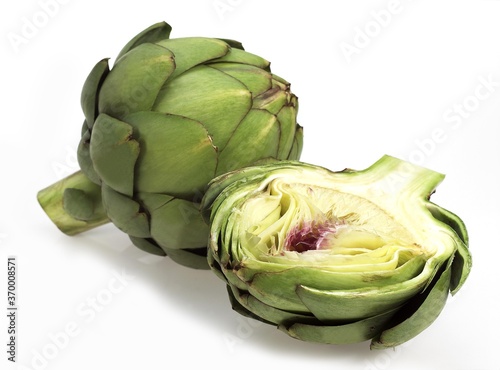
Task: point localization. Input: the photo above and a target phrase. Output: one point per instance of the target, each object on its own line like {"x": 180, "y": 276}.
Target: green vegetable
{"x": 167, "y": 118}
{"x": 336, "y": 257}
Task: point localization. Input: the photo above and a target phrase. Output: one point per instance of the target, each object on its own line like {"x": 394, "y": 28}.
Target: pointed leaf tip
{"x": 157, "y": 32}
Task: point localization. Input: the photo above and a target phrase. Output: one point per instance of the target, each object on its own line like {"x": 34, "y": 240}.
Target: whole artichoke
{"x": 336, "y": 257}
{"x": 167, "y": 118}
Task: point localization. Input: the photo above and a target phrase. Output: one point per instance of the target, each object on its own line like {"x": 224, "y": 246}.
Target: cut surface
{"x": 302, "y": 224}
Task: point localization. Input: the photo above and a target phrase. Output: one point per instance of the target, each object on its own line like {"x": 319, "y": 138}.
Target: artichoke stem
{"x": 74, "y": 204}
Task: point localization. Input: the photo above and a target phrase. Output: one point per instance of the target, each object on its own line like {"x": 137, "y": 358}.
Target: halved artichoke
{"x": 336, "y": 257}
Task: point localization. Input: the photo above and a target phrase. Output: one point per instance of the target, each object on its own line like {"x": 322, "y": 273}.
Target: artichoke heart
{"x": 336, "y": 257}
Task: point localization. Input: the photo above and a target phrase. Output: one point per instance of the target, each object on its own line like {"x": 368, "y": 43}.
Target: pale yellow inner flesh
{"x": 354, "y": 233}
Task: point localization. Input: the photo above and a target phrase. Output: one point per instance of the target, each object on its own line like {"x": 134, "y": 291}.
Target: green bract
{"x": 167, "y": 118}
{"x": 336, "y": 257}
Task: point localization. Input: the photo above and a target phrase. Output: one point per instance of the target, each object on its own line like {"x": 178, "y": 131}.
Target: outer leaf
{"x": 286, "y": 119}
{"x": 147, "y": 245}
{"x": 355, "y": 304}
{"x": 233, "y": 43}
{"x": 114, "y": 153}
{"x": 244, "y": 57}
{"x": 175, "y": 223}
{"x": 156, "y": 32}
{"x": 177, "y": 155}
{"x": 192, "y": 51}
{"x": 213, "y": 98}
{"x": 125, "y": 213}
{"x": 428, "y": 308}
{"x": 135, "y": 80}
{"x": 272, "y": 100}
{"x": 78, "y": 204}
{"x": 193, "y": 258}
{"x": 90, "y": 91}
{"x": 358, "y": 331}
{"x": 279, "y": 284}
{"x": 239, "y": 152}
{"x": 255, "y": 79}
{"x": 462, "y": 263}
{"x": 252, "y": 307}
{"x": 307, "y": 328}
{"x": 83, "y": 156}
{"x": 298, "y": 141}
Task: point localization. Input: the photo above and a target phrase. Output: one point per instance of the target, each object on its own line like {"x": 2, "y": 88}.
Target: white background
{"x": 395, "y": 95}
